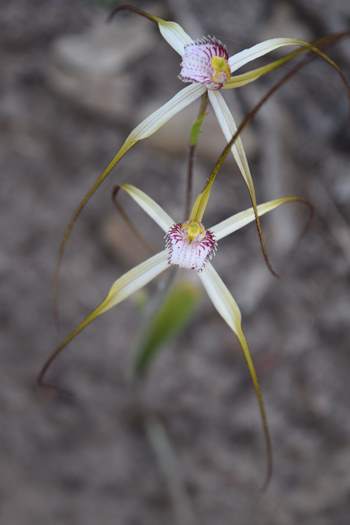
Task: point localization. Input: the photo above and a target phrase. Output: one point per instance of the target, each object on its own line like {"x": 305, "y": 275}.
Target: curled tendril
{"x": 132, "y": 9}
{"x": 50, "y": 388}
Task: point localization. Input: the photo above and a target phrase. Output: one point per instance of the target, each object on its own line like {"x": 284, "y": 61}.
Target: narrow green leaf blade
{"x": 172, "y": 317}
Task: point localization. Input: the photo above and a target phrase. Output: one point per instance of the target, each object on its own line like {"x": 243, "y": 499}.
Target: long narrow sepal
{"x": 123, "y": 287}
{"x": 202, "y": 199}
{"x": 229, "y": 129}
{"x": 314, "y": 47}
{"x": 241, "y": 219}
{"x": 149, "y": 206}
{"x": 145, "y": 129}
{"x": 331, "y": 39}
{"x": 263, "y": 48}
{"x": 172, "y": 32}
{"x": 201, "y": 202}
{"x": 237, "y": 81}
{"x": 134, "y": 279}
{"x": 229, "y": 311}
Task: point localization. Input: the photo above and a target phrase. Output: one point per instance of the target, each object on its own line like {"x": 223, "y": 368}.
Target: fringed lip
{"x": 188, "y": 254}
{"x": 197, "y": 62}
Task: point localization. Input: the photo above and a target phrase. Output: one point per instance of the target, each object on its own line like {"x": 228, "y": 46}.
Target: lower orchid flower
{"x": 208, "y": 68}
{"x": 191, "y": 246}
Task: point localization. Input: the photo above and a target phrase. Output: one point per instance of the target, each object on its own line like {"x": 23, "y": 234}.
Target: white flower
{"x": 188, "y": 245}
{"x": 207, "y": 66}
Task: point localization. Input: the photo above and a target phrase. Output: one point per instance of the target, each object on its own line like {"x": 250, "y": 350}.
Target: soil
{"x": 88, "y": 458}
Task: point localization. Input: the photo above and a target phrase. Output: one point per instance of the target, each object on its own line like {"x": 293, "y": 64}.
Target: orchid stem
{"x": 194, "y": 137}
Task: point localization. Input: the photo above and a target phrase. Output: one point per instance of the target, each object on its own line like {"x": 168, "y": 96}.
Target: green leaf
{"x": 172, "y": 316}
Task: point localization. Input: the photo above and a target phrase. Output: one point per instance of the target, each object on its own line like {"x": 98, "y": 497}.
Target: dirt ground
{"x": 63, "y": 114}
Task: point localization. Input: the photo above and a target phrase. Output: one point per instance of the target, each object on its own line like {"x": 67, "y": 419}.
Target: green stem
{"x": 153, "y": 306}
{"x": 194, "y": 137}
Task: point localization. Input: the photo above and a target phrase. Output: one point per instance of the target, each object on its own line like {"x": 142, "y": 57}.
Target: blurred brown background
{"x": 71, "y": 89}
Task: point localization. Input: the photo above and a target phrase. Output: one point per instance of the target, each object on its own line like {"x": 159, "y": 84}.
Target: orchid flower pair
{"x": 208, "y": 68}
{"x": 190, "y": 246}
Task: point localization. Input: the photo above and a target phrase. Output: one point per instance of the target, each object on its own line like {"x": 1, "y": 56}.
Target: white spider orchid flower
{"x": 207, "y": 67}
{"x": 188, "y": 245}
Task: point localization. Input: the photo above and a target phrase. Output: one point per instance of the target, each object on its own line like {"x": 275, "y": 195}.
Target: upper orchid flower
{"x": 191, "y": 246}
{"x": 207, "y": 67}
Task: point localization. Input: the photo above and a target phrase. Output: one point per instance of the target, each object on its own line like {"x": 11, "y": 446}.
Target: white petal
{"x": 133, "y": 280}
{"x": 126, "y": 285}
{"x": 229, "y": 127}
{"x": 156, "y": 120}
{"x": 146, "y": 128}
{"x": 228, "y": 309}
{"x": 221, "y": 297}
{"x": 173, "y": 33}
{"x": 247, "y": 55}
{"x": 149, "y": 206}
{"x": 237, "y": 221}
